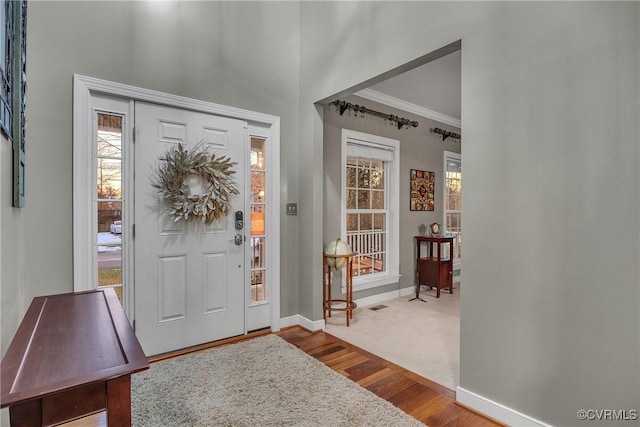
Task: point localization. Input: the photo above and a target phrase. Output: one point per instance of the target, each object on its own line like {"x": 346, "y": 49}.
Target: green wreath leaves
{"x": 171, "y": 180}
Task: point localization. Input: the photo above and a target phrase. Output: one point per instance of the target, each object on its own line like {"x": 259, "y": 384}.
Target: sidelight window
{"x": 109, "y": 201}
{"x": 453, "y": 203}
{"x": 258, "y": 216}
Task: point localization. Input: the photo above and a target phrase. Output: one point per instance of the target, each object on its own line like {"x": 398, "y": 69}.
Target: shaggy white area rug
{"x": 261, "y": 382}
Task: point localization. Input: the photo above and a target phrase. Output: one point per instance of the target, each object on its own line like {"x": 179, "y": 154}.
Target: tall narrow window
{"x": 258, "y": 213}
{"x": 109, "y": 201}
{"x": 370, "y": 204}
{"x": 367, "y": 213}
{"x": 453, "y": 203}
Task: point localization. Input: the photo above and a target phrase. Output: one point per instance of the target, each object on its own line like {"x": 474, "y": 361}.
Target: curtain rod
{"x": 401, "y": 122}
{"x": 446, "y": 134}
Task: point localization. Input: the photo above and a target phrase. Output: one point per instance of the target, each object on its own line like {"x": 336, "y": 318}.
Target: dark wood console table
{"x": 436, "y": 268}
{"x": 73, "y": 355}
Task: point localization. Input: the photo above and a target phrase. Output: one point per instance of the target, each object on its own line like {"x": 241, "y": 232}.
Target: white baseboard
{"x": 318, "y": 325}
{"x": 376, "y": 299}
{"x": 298, "y": 320}
{"x": 407, "y": 291}
{"x": 496, "y": 410}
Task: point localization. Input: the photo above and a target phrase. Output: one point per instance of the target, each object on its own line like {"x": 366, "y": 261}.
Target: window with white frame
{"x": 370, "y": 203}
{"x": 109, "y": 200}
{"x": 258, "y": 213}
{"x": 453, "y": 203}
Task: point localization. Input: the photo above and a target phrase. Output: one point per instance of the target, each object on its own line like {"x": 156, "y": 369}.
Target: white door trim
{"x": 83, "y": 87}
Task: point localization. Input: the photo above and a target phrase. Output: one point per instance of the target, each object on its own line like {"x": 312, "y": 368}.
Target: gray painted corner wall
{"x": 550, "y": 311}
{"x": 550, "y": 308}
{"x": 419, "y": 149}
{"x": 556, "y": 147}
{"x": 239, "y": 54}
{"x": 11, "y": 251}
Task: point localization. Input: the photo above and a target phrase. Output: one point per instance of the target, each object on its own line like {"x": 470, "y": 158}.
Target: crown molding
{"x": 376, "y": 96}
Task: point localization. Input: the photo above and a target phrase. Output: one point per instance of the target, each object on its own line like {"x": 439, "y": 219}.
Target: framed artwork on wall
{"x": 13, "y": 76}
{"x": 422, "y": 190}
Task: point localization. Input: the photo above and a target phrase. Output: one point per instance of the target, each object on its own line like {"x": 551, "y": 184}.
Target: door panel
{"x": 189, "y": 277}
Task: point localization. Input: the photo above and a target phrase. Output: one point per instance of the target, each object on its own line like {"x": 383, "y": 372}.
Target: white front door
{"x": 189, "y": 277}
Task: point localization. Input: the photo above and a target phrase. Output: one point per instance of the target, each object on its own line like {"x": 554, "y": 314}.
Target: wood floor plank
{"x": 412, "y": 398}
{"x": 380, "y": 375}
{"x": 323, "y": 351}
{"x": 346, "y": 361}
{"x": 364, "y": 369}
{"x": 421, "y": 398}
{"x": 438, "y": 411}
{"x": 326, "y": 357}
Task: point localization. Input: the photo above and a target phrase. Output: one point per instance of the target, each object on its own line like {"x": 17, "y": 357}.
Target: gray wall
{"x": 550, "y": 313}
{"x": 550, "y": 309}
{"x": 419, "y": 149}
{"x": 239, "y": 54}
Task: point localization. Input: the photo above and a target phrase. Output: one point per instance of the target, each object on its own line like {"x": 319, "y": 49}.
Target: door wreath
{"x": 171, "y": 179}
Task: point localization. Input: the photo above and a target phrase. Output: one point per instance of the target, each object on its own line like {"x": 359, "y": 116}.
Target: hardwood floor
{"x": 425, "y": 400}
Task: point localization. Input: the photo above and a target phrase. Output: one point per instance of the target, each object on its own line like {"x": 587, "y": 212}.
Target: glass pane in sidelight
{"x": 109, "y": 244}
{"x": 257, "y": 154}
{"x": 109, "y": 135}
{"x": 257, "y": 253}
{"x": 109, "y": 178}
{"x": 258, "y": 286}
{"x": 257, "y": 187}
{"x": 257, "y": 220}
{"x": 109, "y": 217}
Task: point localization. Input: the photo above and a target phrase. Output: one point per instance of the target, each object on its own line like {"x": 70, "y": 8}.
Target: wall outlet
{"x": 292, "y": 209}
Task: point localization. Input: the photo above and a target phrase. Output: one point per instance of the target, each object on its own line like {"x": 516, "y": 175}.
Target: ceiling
{"x": 433, "y": 86}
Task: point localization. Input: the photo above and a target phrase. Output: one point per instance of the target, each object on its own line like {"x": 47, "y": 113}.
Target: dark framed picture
{"x": 13, "y": 76}
{"x": 422, "y": 190}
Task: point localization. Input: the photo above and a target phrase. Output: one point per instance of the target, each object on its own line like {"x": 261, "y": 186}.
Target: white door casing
{"x": 189, "y": 276}
{"x": 86, "y": 91}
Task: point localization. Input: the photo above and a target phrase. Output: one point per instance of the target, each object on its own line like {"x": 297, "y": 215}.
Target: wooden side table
{"x": 73, "y": 355}
{"x": 328, "y": 303}
{"x": 436, "y": 268}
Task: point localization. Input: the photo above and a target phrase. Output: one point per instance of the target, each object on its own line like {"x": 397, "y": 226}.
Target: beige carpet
{"x": 421, "y": 337}
{"x": 261, "y": 382}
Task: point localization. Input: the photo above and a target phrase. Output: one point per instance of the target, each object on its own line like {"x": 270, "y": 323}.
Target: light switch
{"x": 292, "y": 209}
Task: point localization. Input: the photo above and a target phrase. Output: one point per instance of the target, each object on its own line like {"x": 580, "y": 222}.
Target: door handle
{"x": 238, "y": 239}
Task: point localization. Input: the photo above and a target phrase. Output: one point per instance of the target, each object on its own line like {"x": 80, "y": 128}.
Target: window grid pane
{"x": 366, "y": 214}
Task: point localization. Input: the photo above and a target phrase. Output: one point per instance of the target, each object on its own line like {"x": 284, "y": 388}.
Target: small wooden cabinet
{"x": 434, "y": 263}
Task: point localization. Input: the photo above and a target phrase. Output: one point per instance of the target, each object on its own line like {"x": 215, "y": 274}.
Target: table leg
{"x": 324, "y": 291}
{"x": 119, "y": 402}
